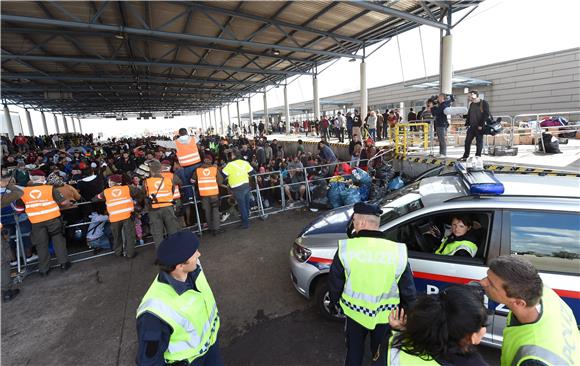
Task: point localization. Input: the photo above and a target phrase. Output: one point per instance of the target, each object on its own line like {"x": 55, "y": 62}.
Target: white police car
{"x": 537, "y": 217}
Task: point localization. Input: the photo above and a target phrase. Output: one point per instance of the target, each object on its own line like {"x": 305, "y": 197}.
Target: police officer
{"x": 177, "y": 320}
{"x": 208, "y": 181}
{"x": 540, "y": 328}
{"x": 370, "y": 276}
{"x": 237, "y": 173}
{"x": 119, "y": 201}
{"x": 41, "y": 202}
{"x": 159, "y": 190}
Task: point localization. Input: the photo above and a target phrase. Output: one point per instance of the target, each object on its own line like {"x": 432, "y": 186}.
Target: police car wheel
{"x": 322, "y": 300}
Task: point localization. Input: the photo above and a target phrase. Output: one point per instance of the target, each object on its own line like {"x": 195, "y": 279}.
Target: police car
{"x": 536, "y": 217}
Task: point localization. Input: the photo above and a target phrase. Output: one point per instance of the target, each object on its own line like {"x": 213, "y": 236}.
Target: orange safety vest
{"x": 187, "y": 153}
{"x": 207, "y": 181}
{"x": 162, "y": 188}
{"x": 176, "y": 192}
{"x": 40, "y": 204}
{"x": 119, "y": 203}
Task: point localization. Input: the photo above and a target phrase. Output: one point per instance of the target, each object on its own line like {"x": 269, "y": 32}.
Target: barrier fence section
{"x": 23, "y": 267}
{"x": 532, "y": 121}
{"x": 405, "y": 132}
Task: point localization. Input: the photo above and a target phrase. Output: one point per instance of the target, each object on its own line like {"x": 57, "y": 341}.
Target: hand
{"x": 479, "y": 128}
{"x": 434, "y": 231}
{"x": 398, "y": 318}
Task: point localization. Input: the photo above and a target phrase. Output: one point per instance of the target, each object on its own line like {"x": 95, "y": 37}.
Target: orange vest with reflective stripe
{"x": 40, "y": 204}
{"x": 119, "y": 203}
{"x": 176, "y": 192}
{"x": 187, "y": 153}
{"x": 207, "y": 181}
{"x": 162, "y": 188}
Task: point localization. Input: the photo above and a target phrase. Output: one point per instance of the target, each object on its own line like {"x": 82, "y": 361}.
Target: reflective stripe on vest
{"x": 553, "y": 339}
{"x": 40, "y": 204}
{"x": 119, "y": 203}
{"x": 163, "y": 187}
{"x": 187, "y": 153}
{"x": 372, "y": 269}
{"x": 207, "y": 181}
{"x": 397, "y": 357}
{"x": 193, "y": 317}
{"x": 451, "y": 248}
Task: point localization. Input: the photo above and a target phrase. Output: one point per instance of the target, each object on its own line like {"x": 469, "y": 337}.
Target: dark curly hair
{"x": 437, "y": 325}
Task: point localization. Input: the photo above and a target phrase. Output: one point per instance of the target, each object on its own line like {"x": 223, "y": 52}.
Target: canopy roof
{"x": 98, "y": 58}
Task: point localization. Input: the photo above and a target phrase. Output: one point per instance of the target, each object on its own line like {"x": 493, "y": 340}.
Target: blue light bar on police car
{"x": 480, "y": 182}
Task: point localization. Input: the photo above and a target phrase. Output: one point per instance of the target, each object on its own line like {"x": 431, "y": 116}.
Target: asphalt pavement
{"x": 86, "y": 316}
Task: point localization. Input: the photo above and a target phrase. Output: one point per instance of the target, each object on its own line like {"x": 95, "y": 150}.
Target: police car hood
{"x": 333, "y": 222}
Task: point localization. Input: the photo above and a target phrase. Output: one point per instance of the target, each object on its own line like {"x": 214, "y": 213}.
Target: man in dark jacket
{"x": 477, "y": 114}
{"x": 441, "y": 122}
{"x": 363, "y": 267}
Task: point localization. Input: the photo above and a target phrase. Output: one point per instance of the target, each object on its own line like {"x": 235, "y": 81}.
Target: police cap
{"x": 363, "y": 208}
{"x": 177, "y": 248}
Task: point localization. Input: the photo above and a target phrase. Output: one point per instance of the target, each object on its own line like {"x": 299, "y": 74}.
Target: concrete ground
{"x": 86, "y": 316}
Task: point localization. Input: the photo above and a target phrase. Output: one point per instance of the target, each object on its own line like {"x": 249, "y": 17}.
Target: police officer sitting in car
{"x": 370, "y": 276}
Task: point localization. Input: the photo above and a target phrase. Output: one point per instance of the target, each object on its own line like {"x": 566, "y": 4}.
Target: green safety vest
{"x": 553, "y": 339}
{"x": 397, "y": 357}
{"x": 193, "y": 316}
{"x": 372, "y": 269}
{"x": 237, "y": 172}
{"x": 451, "y": 248}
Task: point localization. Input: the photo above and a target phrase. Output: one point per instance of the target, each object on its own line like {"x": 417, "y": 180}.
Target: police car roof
{"x": 434, "y": 190}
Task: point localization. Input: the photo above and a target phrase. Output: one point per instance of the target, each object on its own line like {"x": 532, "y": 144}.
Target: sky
{"x": 498, "y": 30}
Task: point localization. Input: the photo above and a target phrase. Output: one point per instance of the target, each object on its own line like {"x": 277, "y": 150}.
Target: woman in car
{"x": 439, "y": 329}
{"x": 461, "y": 242}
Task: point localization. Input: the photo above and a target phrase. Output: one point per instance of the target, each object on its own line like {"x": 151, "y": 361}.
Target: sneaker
{"x": 13, "y": 263}
{"x": 32, "y": 258}
{"x": 254, "y": 208}
{"x": 225, "y": 216}
{"x": 266, "y": 204}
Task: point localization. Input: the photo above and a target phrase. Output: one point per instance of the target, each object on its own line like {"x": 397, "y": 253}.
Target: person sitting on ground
{"x": 440, "y": 329}
{"x": 461, "y": 242}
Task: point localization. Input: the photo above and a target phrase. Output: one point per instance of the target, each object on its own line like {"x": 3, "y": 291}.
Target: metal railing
{"x": 536, "y": 130}
{"x": 404, "y": 130}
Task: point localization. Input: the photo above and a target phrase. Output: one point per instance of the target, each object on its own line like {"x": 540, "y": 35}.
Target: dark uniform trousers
{"x": 128, "y": 227}
{"x": 41, "y": 233}
{"x": 355, "y": 342}
{"x": 162, "y": 219}
{"x": 211, "y": 207}
{"x": 6, "y": 254}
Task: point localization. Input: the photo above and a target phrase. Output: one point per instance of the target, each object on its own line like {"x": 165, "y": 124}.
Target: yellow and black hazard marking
{"x": 492, "y": 167}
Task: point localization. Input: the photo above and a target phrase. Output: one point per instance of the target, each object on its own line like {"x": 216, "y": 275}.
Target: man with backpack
{"x": 476, "y": 117}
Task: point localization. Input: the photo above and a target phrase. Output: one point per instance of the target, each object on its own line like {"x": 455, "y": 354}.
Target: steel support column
{"x": 238, "y": 114}
{"x": 29, "y": 122}
{"x": 250, "y": 112}
{"x": 65, "y": 124}
{"x": 446, "y": 63}
{"x": 80, "y": 126}
{"x": 222, "y": 121}
{"x": 56, "y": 124}
{"x": 266, "y": 116}
{"x": 8, "y": 121}
{"x": 363, "y": 90}
{"x": 229, "y": 119}
{"x": 44, "y": 125}
{"x": 286, "y": 109}
{"x": 315, "y": 99}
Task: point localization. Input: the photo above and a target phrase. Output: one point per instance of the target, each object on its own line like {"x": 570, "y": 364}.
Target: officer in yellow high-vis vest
{"x": 369, "y": 277}
{"x": 237, "y": 173}
{"x": 540, "y": 328}
{"x": 177, "y": 320}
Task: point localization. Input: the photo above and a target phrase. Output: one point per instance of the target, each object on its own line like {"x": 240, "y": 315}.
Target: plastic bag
{"x": 365, "y": 192}
{"x": 396, "y": 183}
{"x": 350, "y": 195}
{"x": 361, "y": 177}
{"x": 334, "y": 194}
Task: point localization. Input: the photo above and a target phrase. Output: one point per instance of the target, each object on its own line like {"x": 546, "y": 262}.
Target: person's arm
{"x": 14, "y": 195}
{"x": 485, "y": 115}
{"x": 177, "y": 181}
{"x": 59, "y": 198}
{"x": 336, "y": 280}
{"x": 75, "y": 193}
{"x": 153, "y": 338}
{"x": 407, "y": 290}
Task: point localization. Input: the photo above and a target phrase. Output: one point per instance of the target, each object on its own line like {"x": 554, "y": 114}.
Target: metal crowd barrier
{"x": 537, "y": 130}
{"x": 403, "y": 130}
{"x": 23, "y": 268}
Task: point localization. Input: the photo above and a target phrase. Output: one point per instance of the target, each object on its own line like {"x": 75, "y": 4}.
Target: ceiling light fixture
{"x": 352, "y": 60}
{"x": 120, "y": 36}
{"x": 275, "y": 52}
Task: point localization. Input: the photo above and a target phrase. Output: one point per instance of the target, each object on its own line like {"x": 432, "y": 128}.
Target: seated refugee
{"x": 461, "y": 242}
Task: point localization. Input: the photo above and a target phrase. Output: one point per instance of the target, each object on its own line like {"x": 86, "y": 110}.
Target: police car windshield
{"x": 384, "y": 201}
{"x": 401, "y": 202}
